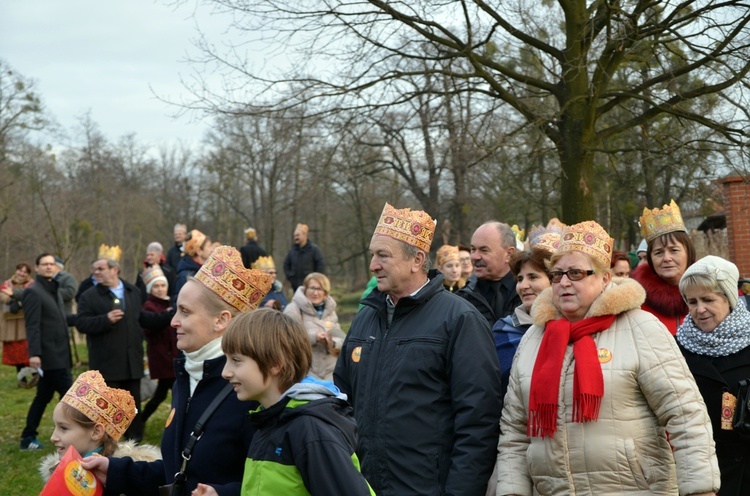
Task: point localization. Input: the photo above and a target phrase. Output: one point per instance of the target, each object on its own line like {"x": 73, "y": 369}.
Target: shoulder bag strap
{"x": 198, "y": 429}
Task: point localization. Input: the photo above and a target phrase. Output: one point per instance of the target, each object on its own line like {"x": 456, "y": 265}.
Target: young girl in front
{"x": 92, "y": 417}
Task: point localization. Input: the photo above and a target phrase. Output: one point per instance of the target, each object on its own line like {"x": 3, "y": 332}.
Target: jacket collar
{"x": 620, "y": 295}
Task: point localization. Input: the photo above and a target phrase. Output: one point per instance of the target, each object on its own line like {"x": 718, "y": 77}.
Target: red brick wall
{"x": 737, "y": 208}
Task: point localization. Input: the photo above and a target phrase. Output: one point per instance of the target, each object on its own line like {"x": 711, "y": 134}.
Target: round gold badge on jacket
{"x": 356, "y": 354}
{"x": 604, "y": 355}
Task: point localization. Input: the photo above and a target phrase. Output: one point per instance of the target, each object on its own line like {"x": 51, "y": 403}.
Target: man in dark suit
{"x": 49, "y": 346}
{"x": 108, "y": 315}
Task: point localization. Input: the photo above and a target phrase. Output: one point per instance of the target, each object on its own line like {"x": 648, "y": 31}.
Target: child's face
{"x": 245, "y": 375}
{"x": 69, "y": 432}
{"x": 159, "y": 289}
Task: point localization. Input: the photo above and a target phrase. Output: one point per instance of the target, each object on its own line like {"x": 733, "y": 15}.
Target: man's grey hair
{"x": 507, "y": 236}
{"x": 180, "y": 226}
{"x": 412, "y": 251}
{"x": 111, "y": 263}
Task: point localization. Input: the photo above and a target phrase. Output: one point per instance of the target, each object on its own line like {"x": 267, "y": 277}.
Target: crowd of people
{"x": 611, "y": 372}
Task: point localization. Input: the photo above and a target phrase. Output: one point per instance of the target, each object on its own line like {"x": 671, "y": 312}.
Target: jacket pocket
{"x": 420, "y": 348}
{"x": 640, "y": 476}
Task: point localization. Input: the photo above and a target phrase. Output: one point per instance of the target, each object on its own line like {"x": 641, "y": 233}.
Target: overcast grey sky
{"x": 105, "y": 57}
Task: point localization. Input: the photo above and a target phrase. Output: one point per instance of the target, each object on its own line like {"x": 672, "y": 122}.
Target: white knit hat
{"x": 642, "y": 247}
{"x": 723, "y": 271}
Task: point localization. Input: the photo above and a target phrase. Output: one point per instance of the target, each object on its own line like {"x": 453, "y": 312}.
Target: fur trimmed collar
{"x": 139, "y": 453}
{"x": 662, "y": 297}
{"x": 620, "y": 295}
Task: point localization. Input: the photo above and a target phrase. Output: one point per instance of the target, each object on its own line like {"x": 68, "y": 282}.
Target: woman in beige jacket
{"x": 313, "y": 306}
{"x": 595, "y": 386}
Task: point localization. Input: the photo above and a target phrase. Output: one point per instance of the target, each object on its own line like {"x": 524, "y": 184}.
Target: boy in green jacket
{"x": 306, "y": 432}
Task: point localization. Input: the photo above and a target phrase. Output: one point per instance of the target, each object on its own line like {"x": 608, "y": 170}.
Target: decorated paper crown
{"x": 264, "y": 263}
{"x": 546, "y": 237}
{"x": 520, "y": 233}
{"x": 110, "y": 252}
{"x": 250, "y": 233}
{"x": 589, "y": 238}
{"x": 413, "y": 227}
{"x": 656, "y": 222}
{"x": 193, "y": 245}
{"x": 151, "y": 273}
{"x": 302, "y": 227}
{"x": 445, "y": 254}
{"x": 113, "y": 408}
{"x": 224, "y": 274}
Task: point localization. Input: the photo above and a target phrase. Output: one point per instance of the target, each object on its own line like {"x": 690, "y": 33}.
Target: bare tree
{"x": 560, "y": 66}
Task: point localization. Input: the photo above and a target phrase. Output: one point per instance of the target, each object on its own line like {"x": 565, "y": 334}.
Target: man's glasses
{"x": 573, "y": 274}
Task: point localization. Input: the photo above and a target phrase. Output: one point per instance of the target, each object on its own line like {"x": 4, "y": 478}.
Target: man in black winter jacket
{"x": 303, "y": 258}
{"x": 420, "y": 369}
{"x": 49, "y": 346}
{"x": 492, "y": 287}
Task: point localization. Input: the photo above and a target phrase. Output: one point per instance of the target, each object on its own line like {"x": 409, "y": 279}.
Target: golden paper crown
{"x": 520, "y": 233}
{"x": 264, "y": 263}
{"x": 151, "y": 273}
{"x": 303, "y": 228}
{"x": 193, "y": 245}
{"x": 414, "y": 227}
{"x": 250, "y": 233}
{"x": 656, "y": 222}
{"x": 589, "y": 238}
{"x": 110, "y": 252}
{"x": 445, "y": 254}
{"x": 547, "y": 237}
{"x": 111, "y": 407}
{"x": 224, "y": 274}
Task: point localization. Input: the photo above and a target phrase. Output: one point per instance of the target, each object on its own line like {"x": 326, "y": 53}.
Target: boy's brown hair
{"x": 272, "y": 339}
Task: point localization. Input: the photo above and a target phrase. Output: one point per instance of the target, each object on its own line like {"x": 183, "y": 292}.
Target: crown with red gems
{"x": 658, "y": 221}
{"x": 413, "y": 227}
{"x": 224, "y": 274}
{"x": 111, "y": 407}
{"x": 589, "y": 238}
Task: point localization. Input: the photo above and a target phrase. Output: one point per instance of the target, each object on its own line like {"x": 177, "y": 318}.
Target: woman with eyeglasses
{"x": 313, "y": 306}
{"x": 595, "y": 382}
{"x": 669, "y": 253}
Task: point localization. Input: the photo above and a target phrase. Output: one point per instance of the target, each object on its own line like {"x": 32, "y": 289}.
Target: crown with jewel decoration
{"x": 224, "y": 274}
{"x": 589, "y": 238}
{"x": 546, "y": 237}
{"x": 113, "y": 408}
{"x": 413, "y": 227}
{"x": 657, "y": 221}
{"x": 264, "y": 263}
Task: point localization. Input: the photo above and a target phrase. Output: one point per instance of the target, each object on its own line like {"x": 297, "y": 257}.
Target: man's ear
{"x": 419, "y": 261}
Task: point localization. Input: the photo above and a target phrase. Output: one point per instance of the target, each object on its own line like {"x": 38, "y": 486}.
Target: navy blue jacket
{"x": 218, "y": 457}
{"x": 425, "y": 392}
{"x": 302, "y": 261}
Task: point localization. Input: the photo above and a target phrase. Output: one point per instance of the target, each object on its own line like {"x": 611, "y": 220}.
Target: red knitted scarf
{"x": 588, "y": 384}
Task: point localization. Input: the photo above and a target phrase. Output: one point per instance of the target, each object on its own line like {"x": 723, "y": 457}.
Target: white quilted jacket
{"x": 648, "y": 390}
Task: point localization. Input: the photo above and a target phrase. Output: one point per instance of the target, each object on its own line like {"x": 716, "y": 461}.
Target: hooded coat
{"x": 648, "y": 390}
{"x": 305, "y": 445}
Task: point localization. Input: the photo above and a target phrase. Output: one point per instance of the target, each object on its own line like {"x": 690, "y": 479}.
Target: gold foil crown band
{"x": 657, "y": 221}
